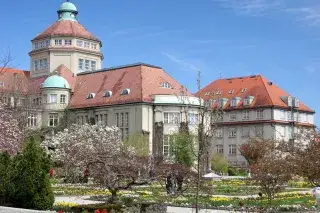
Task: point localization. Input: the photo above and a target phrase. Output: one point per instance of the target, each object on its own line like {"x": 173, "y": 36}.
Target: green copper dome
{"x": 68, "y": 6}
{"x": 67, "y": 11}
{"x": 55, "y": 81}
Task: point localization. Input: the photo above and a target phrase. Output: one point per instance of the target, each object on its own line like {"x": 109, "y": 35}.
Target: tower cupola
{"x": 67, "y": 11}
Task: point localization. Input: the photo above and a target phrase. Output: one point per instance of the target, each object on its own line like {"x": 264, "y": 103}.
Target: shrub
{"x": 4, "y": 168}
{"x": 29, "y": 185}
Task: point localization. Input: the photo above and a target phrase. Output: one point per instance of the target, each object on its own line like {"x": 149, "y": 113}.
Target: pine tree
{"x": 29, "y": 184}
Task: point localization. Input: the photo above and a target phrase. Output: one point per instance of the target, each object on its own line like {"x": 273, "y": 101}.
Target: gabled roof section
{"x": 265, "y": 93}
{"x": 144, "y": 81}
{"x": 66, "y": 28}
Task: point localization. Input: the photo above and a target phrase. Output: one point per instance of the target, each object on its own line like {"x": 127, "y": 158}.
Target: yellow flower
{"x": 65, "y": 204}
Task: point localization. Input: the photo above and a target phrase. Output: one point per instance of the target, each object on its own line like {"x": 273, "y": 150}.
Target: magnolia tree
{"x": 99, "y": 151}
{"x": 10, "y": 135}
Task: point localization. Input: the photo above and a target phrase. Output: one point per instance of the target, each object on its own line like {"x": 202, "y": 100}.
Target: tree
{"x": 5, "y": 161}
{"x": 99, "y": 149}
{"x": 10, "y": 134}
{"x": 255, "y": 149}
{"x": 29, "y": 186}
{"x": 219, "y": 164}
{"x": 271, "y": 172}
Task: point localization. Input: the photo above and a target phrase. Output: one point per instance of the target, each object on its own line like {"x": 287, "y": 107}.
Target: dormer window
{"x": 243, "y": 90}
{"x": 231, "y": 91}
{"x": 296, "y": 102}
{"x": 166, "y": 85}
{"x": 248, "y": 100}
{"x": 233, "y": 103}
{"x": 125, "y": 91}
{"x": 207, "y": 94}
{"x": 108, "y": 94}
{"x": 91, "y": 95}
{"x": 1, "y": 84}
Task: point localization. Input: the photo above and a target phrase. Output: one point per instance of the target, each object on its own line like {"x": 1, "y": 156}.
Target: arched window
{"x": 125, "y": 91}
{"x": 91, "y": 95}
{"x": 108, "y": 94}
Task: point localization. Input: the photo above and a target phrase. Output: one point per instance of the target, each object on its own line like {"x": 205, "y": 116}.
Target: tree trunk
{"x": 198, "y": 185}
{"x": 114, "y": 197}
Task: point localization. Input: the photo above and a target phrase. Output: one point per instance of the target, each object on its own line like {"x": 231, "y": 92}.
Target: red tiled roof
{"x": 265, "y": 93}
{"x": 14, "y": 80}
{"x": 143, "y": 80}
{"x": 66, "y": 73}
{"x": 66, "y": 28}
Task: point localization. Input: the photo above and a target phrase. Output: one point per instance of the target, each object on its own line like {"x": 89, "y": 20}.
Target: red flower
{"x": 104, "y": 211}
{"x": 51, "y": 172}
{"x": 60, "y": 211}
{"x": 97, "y": 211}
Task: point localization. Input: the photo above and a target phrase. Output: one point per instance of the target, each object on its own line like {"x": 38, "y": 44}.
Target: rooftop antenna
{"x": 220, "y": 74}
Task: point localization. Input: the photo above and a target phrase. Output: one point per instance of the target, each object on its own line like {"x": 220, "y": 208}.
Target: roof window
{"x": 91, "y": 95}
{"x": 243, "y": 90}
{"x": 231, "y": 91}
{"x": 108, "y": 94}
{"x": 166, "y": 85}
{"x": 207, "y": 94}
{"x": 125, "y": 91}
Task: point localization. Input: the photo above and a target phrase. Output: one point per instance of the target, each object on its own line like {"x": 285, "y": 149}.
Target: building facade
{"x": 66, "y": 74}
{"x": 253, "y": 107}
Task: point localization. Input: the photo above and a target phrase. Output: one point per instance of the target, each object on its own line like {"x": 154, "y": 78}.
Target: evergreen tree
{"x": 4, "y": 169}
{"x": 29, "y": 185}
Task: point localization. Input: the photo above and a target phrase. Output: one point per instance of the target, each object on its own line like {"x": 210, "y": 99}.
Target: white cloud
{"x": 251, "y": 7}
{"x": 182, "y": 63}
{"x": 310, "y": 15}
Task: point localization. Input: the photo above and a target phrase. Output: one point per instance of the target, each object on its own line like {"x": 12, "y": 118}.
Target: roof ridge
{"x": 261, "y": 78}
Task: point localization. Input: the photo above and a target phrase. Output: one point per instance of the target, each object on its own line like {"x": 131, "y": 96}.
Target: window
{"x": 79, "y": 43}
{"x": 219, "y": 149}
{"x": 166, "y": 145}
{"x": 245, "y": 132}
{"x": 53, "y": 119}
{"x": 94, "y": 46}
{"x": 232, "y": 149}
{"x": 289, "y": 116}
{"x": 108, "y": 94}
{"x": 87, "y": 65}
{"x": 116, "y": 116}
{"x": 219, "y": 133}
{"x": 80, "y": 64}
{"x": 122, "y": 121}
{"x": 53, "y": 98}
{"x": 232, "y": 132}
{"x": 260, "y": 114}
{"x": 93, "y": 65}
{"x": 45, "y": 99}
{"x": 207, "y": 94}
{"x": 171, "y": 117}
{"x": 87, "y": 44}
{"x": 106, "y": 119}
{"x": 62, "y": 99}
{"x": 282, "y": 115}
{"x": 233, "y": 103}
{"x": 166, "y": 85}
{"x": 126, "y": 119}
{"x": 68, "y": 42}
{"x": 32, "y": 120}
{"x": 1, "y": 84}
{"x": 125, "y": 92}
{"x": 231, "y": 91}
{"x": 245, "y": 115}
{"x": 233, "y": 116}
{"x": 91, "y": 95}
{"x": 58, "y": 42}
{"x": 36, "y": 65}
{"x": 246, "y": 102}
{"x": 259, "y": 131}
{"x": 43, "y": 63}
{"x": 47, "y": 43}
{"x": 193, "y": 118}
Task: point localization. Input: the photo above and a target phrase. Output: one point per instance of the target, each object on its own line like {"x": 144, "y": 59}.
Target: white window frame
{"x": 166, "y": 85}
{"x": 79, "y": 43}
{"x": 93, "y": 65}
{"x": 232, "y": 149}
{"x": 32, "y": 120}
{"x": 58, "y": 42}
{"x": 86, "y": 44}
{"x": 232, "y": 132}
{"x": 219, "y": 149}
{"x": 219, "y": 133}
{"x": 233, "y": 103}
{"x": 246, "y": 115}
{"x": 68, "y": 42}
{"x": 63, "y": 99}
{"x": 86, "y": 64}
{"x": 282, "y": 114}
{"x": 81, "y": 64}
{"x": 260, "y": 113}
{"x": 171, "y": 117}
{"x": 166, "y": 146}
{"x": 53, "y": 119}
{"x": 193, "y": 118}
{"x": 258, "y": 131}
{"x": 245, "y": 134}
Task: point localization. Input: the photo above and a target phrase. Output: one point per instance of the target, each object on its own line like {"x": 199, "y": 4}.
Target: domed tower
{"x": 65, "y": 42}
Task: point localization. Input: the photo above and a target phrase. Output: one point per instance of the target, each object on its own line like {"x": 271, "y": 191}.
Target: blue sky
{"x": 279, "y": 39}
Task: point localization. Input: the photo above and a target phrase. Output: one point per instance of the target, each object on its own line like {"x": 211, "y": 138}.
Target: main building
{"x": 66, "y": 73}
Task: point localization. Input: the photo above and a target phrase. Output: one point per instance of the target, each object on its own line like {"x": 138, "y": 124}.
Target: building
{"x": 253, "y": 107}
{"x": 66, "y": 73}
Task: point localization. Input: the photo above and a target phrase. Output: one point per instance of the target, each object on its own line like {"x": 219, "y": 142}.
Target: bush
{"x": 4, "y": 168}
{"x": 29, "y": 185}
